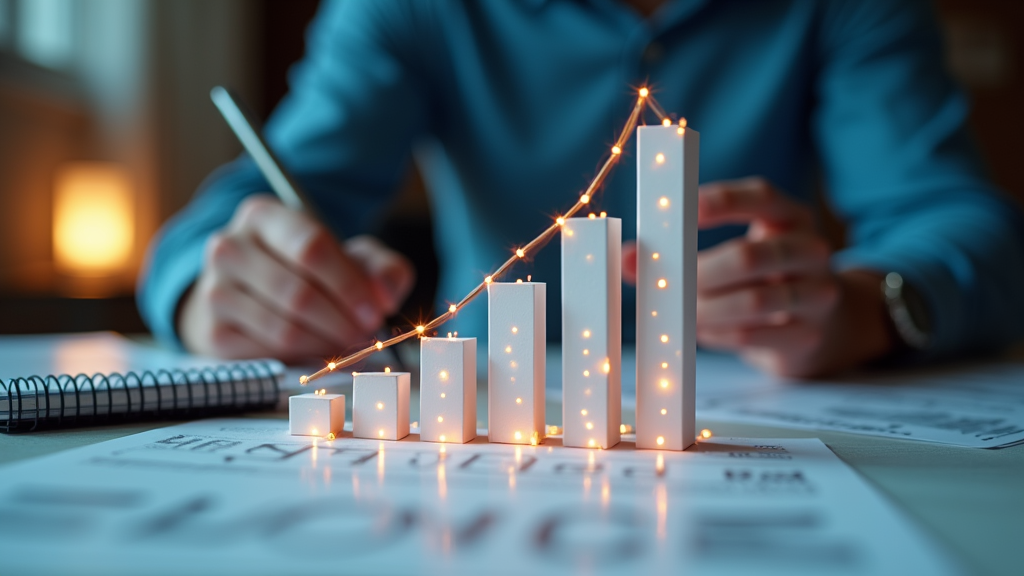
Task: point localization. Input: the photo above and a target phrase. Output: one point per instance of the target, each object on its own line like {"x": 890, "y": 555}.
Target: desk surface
{"x": 971, "y": 500}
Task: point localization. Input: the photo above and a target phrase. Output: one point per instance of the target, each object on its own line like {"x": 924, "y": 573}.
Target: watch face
{"x": 918, "y": 309}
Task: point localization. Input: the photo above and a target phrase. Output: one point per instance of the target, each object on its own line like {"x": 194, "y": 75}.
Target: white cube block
{"x": 516, "y": 342}
{"x": 591, "y": 332}
{"x": 380, "y": 405}
{"x": 666, "y": 289}
{"x": 316, "y": 415}
{"x": 447, "y": 389}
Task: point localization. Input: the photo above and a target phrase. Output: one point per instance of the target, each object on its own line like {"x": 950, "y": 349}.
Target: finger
{"x": 282, "y": 337}
{"x": 308, "y": 248}
{"x": 280, "y": 288}
{"x": 392, "y": 273}
{"x": 629, "y": 255}
{"x": 766, "y": 304}
{"x": 793, "y": 338}
{"x": 749, "y": 200}
{"x": 742, "y": 261}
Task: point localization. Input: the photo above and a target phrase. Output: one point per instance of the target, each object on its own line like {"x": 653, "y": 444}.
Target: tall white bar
{"x": 666, "y": 295}
{"x": 447, "y": 389}
{"x": 380, "y": 405}
{"x": 515, "y": 361}
{"x": 591, "y": 332}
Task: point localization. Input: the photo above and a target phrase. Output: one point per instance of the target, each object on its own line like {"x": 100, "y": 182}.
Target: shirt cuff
{"x": 160, "y": 291}
{"x": 933, "y": 280}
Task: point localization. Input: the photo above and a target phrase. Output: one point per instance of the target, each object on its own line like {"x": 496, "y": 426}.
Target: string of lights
{"x": 644, "y": 99}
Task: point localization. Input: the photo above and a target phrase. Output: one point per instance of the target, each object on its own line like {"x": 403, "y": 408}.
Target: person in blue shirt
{"x": 508, "y": 108}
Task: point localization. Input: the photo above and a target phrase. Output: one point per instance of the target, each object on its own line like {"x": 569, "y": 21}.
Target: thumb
{"x": 392, "y": 274}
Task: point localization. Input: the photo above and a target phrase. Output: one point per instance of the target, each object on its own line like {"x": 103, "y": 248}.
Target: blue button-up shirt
{"x": 510, "y": 106}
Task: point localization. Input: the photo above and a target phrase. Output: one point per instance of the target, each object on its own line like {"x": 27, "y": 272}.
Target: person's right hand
{"x": 276, "y": 283}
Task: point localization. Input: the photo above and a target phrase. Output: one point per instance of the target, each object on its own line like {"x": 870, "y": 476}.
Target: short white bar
{"x": 380, "y": 405}
{"x": 666, "y": 294}
{"x": 316, "y": 414}
{"x": 591, "y": 332}
{"x": 515, "y": 361}
{"x": 447, "y": 389}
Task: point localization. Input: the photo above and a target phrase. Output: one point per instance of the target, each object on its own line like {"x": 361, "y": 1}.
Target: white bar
{"x": 380, "y": 405}
{"x": 667, "y": 161}
{"x": 591, "y": 332}
{"x": 315, "y": 414}
{"x": 515, "y": 361}
{"x": 447, "y": 389}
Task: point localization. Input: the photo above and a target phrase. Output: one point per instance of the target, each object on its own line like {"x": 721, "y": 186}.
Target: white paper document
{"x": 239, "y": 496}
{"x": 977, "y": 405}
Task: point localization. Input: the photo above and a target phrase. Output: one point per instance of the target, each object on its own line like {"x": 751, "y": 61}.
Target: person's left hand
{"x": 771, "y": 295}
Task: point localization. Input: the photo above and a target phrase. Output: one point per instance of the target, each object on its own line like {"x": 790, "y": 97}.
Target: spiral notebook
{"x": 58, "y": 381}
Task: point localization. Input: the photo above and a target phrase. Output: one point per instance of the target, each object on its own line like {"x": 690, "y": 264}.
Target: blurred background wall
{"x": 108, "y": 100}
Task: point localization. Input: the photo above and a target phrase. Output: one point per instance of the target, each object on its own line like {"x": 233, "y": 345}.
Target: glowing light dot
{"x": 654, "y": 312}
{"x": 387, "y": 369}
{"x": 606, "y": 367}
{"x": 659, "y": 158}
{"x": 644, "y": 92}
{"x": 705, "y": 433}
{"x": 440, "y": 418}
{"x": 303, "y": 379}
{"x": 315, "y": 432}
{"x": 662, "y": 283}
{"x": 586, "y": 333}
{"x": 663, "y": 202}
{"x": 590, "y": 425}
{"x": 487, "y": 280}
{"x": 585, "y": 199}
{"x": 583, "y": 412}
{"x": 655, "y": 256}
{"x": 379, "y": 345}
{"x": 660, "y": 440}
{"x": 664, "y": 338}
{"x": 560, "y": 221}
{"x": 586, "y": 352}
{"x": 420, "y": 329}
{"x": 380, "y": 405}
{"x": 604, "y": 214}
{"x": 680, "y": 131}
{"x": 508, "y": 349}
{"x": 331, "y": 436}
{"x": 591, "y": 443}
{"x": 443, "y": 374}
{"x": 664, "y": 383}
{"x": 380, "y": 432}
{"x": 520, "y": 252}
{"x": 513, "y": 364}
{"x": 519, "y": 400}
{"x": 586, "y": 372}
{"x": 587, "y": 392}
{"x": 666, "y": 122}
{"x": 443, "y": 394}
{"x": 682, "y": 122}
{"x": 515, "y": 330}
{"x": 664, "y": 411}
{"x": 592, "y": 216}
{"x": 518, "y": 435}
{"x": 442, "y": 438}
{"x": 452, "y": 309}
{"x": 616, "y": 150}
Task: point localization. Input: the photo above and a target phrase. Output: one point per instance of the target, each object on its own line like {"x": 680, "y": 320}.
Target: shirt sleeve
{"x": 902, "y": 171}
{"x": 345, "y": 131}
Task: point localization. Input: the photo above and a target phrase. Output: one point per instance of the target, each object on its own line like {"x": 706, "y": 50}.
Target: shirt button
{"x": 653, "y": 52}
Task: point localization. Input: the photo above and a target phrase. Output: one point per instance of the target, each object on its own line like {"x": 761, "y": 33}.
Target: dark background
{"x": 172, "y": 138}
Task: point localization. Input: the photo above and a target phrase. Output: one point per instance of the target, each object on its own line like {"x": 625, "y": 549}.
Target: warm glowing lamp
{"x": 93, "y": 219}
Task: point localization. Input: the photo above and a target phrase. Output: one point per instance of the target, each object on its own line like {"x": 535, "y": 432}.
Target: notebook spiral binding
{"x": 64, "y": 401}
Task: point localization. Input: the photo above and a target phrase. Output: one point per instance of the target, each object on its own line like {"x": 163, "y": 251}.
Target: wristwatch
{"x": 908, "y": 312}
